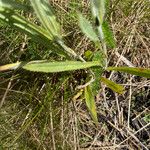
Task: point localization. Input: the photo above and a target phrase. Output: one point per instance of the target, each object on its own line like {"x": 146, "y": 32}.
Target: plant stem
{"x": 104, "y": 49}
{"x": 69, "y": 51}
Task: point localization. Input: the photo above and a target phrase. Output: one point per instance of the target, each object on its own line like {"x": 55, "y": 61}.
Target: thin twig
{"x": 129, "y": 105}
{"x": 86, "y": 84}
{"x": 52, "y": 128}
{"x": 6, "y": 92}
{"x": 133, "y": 134}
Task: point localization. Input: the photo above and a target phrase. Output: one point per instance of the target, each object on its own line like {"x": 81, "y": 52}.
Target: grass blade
{"x": 143, "y": 72}
{"x": 50, "y": 67}
{"x": 112, "y": 85}
{"x": 90, "y": 102}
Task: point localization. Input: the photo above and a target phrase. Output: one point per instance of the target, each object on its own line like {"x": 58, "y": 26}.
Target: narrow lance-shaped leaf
{"x": 37, "y": 33}
{"x": 10, "y": 4}
{"x": 46, "y": 16}
{"x": 98, "y": 56}
{"x": 98, "y": 10}
{"x": 13, "y": 19}
{"x": 90, "y": 102}
{"x": 50, "y": 67}
{"x": 143, "y": 72}
{"x": 44, "y": 12}
{"x": 87, "y": 28}
{"x": 108, "y": 35}
{"x": 112, "y": 85}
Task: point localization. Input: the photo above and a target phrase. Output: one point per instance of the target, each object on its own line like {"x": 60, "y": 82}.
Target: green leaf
{"x": 98, "y": 10}
{"x": 143, "y": 72}
{"x": 88, "y": 54}
{"x": 87, "y": 28}
{"x": 34, "y": 31}
{"x": 98, "y": 56}
{"x": 112, "y": 85}
{"x": 11, "y": 4}
{"x": 45, "y": 14}
{"x": 90, "y": 102}
{"x": 50, "y": 67}
{"x": 38, "y": 34}
{"x": 96, "y": 84}
{"x": 108, "y": 35}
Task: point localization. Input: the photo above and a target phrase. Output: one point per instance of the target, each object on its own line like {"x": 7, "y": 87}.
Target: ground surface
{"x": 45, "y": 111}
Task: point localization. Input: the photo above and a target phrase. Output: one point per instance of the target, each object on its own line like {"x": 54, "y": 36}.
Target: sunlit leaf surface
{"x": 143, "y": 72}
{"x": 51, "y": 67}
{"x": 112, "y": 85}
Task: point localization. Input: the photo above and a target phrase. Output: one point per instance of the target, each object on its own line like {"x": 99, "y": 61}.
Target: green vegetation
{"x": 44, "y": 109}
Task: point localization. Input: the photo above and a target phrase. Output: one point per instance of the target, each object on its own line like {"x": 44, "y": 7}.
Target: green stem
{"x": 69, "y": 51}
{"x": 104, "y": 49}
